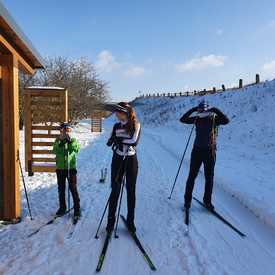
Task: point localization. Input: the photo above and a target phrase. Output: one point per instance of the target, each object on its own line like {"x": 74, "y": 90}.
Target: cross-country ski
{"x": 220, "y": 217}
{"x": 139, "y": 245}
{"x": 51, "y": 221}
{"x": 103, "y": 252}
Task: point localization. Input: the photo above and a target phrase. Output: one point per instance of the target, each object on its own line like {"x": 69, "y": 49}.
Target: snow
{"x": 45, "y": 88}
{"x": 210, "y": 247}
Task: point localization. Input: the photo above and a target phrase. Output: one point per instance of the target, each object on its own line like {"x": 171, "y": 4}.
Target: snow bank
{"x": 246, "y": 146}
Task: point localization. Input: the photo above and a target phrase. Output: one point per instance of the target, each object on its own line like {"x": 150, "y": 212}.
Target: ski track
{"x": 243, "y": 250}
{"x": 210, "y": 247}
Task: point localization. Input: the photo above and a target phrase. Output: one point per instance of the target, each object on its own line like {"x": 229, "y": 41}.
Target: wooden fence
{"x": 201, "y": 92}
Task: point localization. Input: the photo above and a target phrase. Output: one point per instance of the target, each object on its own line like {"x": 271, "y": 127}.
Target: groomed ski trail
{"x": 210, "y": 247}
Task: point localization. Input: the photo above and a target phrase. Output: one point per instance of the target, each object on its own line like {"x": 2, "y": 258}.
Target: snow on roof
{"x": 45, "y": 88}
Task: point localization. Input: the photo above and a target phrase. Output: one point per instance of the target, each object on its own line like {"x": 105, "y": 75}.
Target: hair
{"x": 132, "y": 118}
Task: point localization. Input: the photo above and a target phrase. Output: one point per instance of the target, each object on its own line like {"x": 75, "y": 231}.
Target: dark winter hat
{"x": 65, "y": 125}
{"x": 203, "y": 105}
{"x": 123, "y": 107}
{"x": 112, "y": 107}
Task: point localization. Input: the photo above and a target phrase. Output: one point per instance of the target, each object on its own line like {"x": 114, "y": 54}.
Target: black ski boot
{"x": 209, "y": 205}
{"x": 110, "y": 224}
{"x": 131, "y": 226}
{"x": 77, "y": 215}
{"x": 60, "y": 212}
{"x": 187, "y": 206}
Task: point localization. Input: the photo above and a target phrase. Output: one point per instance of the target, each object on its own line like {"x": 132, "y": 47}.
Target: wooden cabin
{"x": 16, "y": 53}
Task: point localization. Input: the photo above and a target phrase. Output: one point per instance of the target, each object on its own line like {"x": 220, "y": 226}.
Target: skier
{"x": 66, "y": 148}
{"x": 124, "y": 138}
{"x": 204, "y": 150}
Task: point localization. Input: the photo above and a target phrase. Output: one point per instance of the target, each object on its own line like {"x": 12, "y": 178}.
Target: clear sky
{"x": 156, "y": 45}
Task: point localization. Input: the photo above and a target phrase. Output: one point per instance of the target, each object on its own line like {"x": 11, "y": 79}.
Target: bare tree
{"x": 80, "y": 78}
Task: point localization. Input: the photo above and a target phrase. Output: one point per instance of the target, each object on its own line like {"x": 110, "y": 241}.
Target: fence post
{"x": 257, "y": 78}
{"x": 240, "y": 83}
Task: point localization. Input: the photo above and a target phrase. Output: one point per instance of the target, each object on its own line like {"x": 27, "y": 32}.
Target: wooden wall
{"x": 1, "y": 150}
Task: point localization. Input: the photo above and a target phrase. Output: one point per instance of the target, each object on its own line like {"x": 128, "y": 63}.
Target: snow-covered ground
{"x": 210, "y": 248}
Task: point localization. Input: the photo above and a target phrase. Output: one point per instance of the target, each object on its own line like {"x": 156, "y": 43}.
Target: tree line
{"x": 85, "y": 88}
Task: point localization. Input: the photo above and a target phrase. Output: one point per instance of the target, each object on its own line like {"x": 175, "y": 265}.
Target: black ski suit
{"x": 204, "y": 150}
{"x": 124, "y": 161}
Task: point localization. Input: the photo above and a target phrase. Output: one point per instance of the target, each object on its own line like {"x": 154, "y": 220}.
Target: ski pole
{"x": 108, "y": 201}
{"x": 68, "y": 177}
{"x": 119, "y": 207}
{"x": 181, "y": 161}
{"x": 25, "y": 189}
{"x": 102, "y": 217}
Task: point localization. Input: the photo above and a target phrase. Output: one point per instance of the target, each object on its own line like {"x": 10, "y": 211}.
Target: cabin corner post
{"x": 10, "y": 138}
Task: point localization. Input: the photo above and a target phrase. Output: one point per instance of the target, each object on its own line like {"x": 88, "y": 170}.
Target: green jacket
{"x": 63, "y": 151}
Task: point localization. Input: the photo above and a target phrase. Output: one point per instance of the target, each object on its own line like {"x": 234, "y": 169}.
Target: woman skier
{"x": 66, "y": 148}
{"x": 204, "y": 150}
{"x": 124, "y": 139}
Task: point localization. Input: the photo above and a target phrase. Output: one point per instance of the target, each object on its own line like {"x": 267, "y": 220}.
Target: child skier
{"x": 124, "y": 138}
{"x": 204, "y": 150}
{"x": 66, "y": 148}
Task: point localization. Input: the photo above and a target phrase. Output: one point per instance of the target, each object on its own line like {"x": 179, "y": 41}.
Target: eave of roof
{"x": 15, "y": 36}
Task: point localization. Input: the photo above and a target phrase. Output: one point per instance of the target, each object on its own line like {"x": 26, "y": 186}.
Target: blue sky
{"x": 156, "y": 45}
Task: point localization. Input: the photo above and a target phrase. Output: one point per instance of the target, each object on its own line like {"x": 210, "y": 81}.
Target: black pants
{"x": 62, "y": 175}
{"x": 129, "y": 166}
{"x": 208, "y": 159}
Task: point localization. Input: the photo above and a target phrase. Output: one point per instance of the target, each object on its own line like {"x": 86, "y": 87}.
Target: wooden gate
{"x": 96, "y": 121}
{"x": 45, "y": 108}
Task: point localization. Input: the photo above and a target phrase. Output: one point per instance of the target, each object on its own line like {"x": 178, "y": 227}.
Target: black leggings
{"x": 208, "y": 159}
{"x": 62, "y": 175}
{"x": 130, "y": 167}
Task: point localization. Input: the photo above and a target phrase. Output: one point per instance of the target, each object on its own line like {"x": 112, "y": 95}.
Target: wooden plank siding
{"x": 45, "y": 108}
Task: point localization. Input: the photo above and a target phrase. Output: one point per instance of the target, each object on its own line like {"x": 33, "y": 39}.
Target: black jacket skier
{"x": 204, "y": 151}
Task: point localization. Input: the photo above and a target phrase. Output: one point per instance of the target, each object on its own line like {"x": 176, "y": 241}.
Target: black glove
{"x": 214, "y": 110}
{"x": 110, "y": 141}
{"x": 68, "y": 139}
{"x": 118, "y": 142}
{"x": 65, "y": 140}
{"x": 61, "y": 142}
